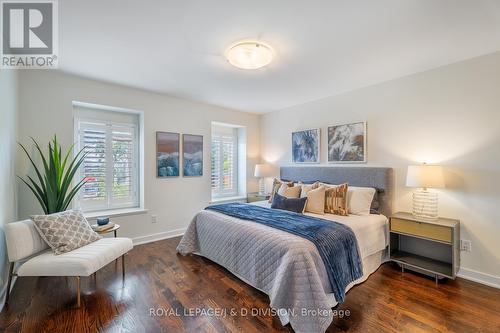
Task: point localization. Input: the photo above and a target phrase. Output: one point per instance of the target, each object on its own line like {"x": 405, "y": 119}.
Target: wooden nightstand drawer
{"x": 422, "y": 229}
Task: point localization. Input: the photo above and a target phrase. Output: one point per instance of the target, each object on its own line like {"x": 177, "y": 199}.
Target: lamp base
{"x": 425, "y": 205}
{"x": 262, "y": 186}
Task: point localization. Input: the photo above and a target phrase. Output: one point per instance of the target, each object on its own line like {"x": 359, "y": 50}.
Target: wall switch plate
{"x": 465, "y": 245}
{"x": 154, "y": 218}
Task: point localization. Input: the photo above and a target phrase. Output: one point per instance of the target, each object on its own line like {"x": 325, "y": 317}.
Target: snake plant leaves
{"x": 52, "y": 186}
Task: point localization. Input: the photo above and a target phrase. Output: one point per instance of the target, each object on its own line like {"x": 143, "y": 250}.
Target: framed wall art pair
{"x": 346, "y": 144}
{"x": 168, "y": 152}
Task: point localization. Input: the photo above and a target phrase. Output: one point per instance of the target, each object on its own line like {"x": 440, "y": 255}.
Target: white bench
{"x": 25, "y": 245}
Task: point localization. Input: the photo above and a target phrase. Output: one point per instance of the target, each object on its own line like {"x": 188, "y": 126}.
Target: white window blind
{"x": 224, "y": 161}
{"x": 111, "y": 164}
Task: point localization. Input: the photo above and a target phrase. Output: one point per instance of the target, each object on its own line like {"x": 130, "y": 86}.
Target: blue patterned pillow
{"x": 291, "y": 204}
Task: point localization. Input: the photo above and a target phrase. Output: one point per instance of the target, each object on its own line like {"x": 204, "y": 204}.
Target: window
{"x": 225, "y": 160}
{"x": 111, "y": 166}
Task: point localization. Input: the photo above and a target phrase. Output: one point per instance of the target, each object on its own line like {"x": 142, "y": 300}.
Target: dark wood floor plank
{"x": 159, "y": 279}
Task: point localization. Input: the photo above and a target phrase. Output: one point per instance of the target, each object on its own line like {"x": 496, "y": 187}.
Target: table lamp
{"x": 425, "y": 203}
{"x": 262, "y": 171}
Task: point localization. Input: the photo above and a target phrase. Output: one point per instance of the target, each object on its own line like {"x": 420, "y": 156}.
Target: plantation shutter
{"x": 224, "y": 161}
{"x": 124, "y": 165}
{"x": 111, "y": 164}
{"x": 93, "y": 141}
{"x": 229, "y": 164}
{"x": 216, "y": 163}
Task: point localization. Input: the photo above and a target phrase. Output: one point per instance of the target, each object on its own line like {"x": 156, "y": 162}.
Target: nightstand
{"x": 428, "y": 247}
{"x": 253, "y": 197}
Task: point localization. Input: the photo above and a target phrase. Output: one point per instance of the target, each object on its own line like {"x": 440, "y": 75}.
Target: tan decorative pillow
{"x": 306, "y": 188}
{"x": 316, "y": 201}
{"x": 289, "y": 191}
{"x": 276, "y": 186}
{"x": 336, "y": 200}
{"x": 65, "y": 231}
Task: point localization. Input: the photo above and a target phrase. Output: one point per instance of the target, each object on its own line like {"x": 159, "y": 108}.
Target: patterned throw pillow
{"x": 276, "y": 186}
{"x": 289, "y": 191}
{"x": 65, "y": 231}
{"x": 336, "y": 200}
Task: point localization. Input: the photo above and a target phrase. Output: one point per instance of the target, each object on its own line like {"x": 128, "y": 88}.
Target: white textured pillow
{"x": 305, "y": 188}
{"x": 316, "y": 201}
{"x": 289, "y": 191}
{"x": 359, "y": 200}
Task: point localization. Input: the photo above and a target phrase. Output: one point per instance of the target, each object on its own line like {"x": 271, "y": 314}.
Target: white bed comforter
{"x": 286, "y": 267}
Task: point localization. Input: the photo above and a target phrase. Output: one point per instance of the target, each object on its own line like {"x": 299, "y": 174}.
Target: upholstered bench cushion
{"x": 80, "y": 262}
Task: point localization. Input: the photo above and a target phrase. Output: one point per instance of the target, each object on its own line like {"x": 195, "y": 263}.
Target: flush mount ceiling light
{"x": 249, "y": 54}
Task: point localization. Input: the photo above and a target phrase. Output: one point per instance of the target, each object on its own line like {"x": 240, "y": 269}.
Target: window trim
{"x": 91, "y": 123}
{"x": 139, "y": 135}
{"x": 114, "y": 213}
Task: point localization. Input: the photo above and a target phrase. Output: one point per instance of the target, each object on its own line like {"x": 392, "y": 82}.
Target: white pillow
{"x": 305, "y": 188}
{"x": 316, "y": 201}
{"x": 359, "y": 200}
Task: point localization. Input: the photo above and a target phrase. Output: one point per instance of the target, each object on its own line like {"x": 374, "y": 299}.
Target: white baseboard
{"x": 483, "y": 278}
{"x": 159, "y": 236}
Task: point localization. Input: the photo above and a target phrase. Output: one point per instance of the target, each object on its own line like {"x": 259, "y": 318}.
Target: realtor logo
{"x": 29, "y": 34}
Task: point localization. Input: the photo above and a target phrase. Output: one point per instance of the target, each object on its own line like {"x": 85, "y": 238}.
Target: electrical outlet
{"x": 154, "y": 218}
{"x": 465, "y": 245}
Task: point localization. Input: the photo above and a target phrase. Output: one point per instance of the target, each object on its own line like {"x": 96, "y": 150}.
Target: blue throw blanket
{"x": 336, "y": 243}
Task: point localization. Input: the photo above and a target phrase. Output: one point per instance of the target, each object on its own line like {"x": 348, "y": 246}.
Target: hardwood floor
{"x": 159, "y": 279}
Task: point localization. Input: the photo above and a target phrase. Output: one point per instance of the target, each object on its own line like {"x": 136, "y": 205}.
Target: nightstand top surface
{"x": 257, "y": 194}
{"x": 440, "y": 221}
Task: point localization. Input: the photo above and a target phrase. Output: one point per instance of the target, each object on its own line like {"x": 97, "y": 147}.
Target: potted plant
{"x": 53, "y": 189}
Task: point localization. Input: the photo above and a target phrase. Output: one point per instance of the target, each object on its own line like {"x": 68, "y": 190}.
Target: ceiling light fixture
{"x": 249, "y": 54}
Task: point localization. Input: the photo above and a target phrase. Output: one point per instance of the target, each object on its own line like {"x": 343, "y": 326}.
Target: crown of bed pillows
{"x": 321, "y": 198}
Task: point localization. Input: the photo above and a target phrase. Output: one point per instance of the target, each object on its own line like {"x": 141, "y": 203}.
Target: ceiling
{"x": 322, "y": 48}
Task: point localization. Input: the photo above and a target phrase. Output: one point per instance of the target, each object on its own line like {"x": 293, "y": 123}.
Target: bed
{"x": 289, "y": 268}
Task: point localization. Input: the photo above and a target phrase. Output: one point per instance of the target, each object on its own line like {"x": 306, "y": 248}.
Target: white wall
{"x": 448, "y": 116}
{"x": 8, "y": 124}
{"x": 45, "y": 109}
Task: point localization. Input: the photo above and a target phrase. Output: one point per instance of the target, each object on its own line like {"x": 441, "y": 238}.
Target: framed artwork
{"x": 347, "y": 143}
{"x": 167, "y": 154}
{"x": 192, "y": 155}
{"x": 305, "y": 146}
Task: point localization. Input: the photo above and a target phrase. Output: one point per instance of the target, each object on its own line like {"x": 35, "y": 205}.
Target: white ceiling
{"x": 322, "y": 47}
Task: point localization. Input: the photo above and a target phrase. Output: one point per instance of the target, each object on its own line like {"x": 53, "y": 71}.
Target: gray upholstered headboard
{"x": 380, "y": 178}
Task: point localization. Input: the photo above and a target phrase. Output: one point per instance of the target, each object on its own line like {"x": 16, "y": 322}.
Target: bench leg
{"x": 123, "y": 268}
{"x": 78, "y": 291}
{"x": 9, "y": 282}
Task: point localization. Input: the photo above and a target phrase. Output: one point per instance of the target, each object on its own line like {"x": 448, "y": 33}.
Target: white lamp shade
{"x": 263, "y": 170}
{"x": 425, "y": 176}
